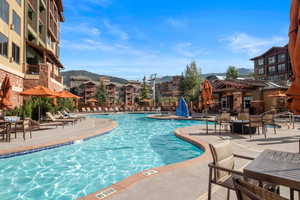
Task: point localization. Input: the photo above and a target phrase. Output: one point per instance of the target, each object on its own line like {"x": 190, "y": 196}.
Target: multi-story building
{"x": 112, "y": 94}
{"x": 11, "y": 45}
{"x": 89, "y": 90}
{"x": 42, "y": 36}
{"x": 170, "y": 88}
{"x": 273, "y": 65}
{"x": 76, "y": 82}
{"x": 131, "y": 92}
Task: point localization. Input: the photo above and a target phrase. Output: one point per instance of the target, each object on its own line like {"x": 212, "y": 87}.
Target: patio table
{"x": 241, "y": 127}
{"x": 281, "y": 168}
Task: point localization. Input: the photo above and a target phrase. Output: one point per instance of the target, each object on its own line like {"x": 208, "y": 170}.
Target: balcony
{"x": 58, "y": 78}
{"x": 33, "y": 69}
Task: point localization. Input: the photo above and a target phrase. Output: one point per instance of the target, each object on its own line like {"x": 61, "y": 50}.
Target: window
{"x": 247, "y": 101}
{"x": 272, "y": 69}
{"x": 30, "y": 13}
{"x": 16, "y": 53}
{"x": 281, "y": 68}
{"x": 281, "y": 57}
{"x": 260, "y": 61}
{"x": 261, "y": 71}
{"x": 271, "y": 60}
{"x": 4, "y": 10}
{"x": 3, "y": 45}
{"x": 17, "y": 23}
{"x": 19, "y": 2}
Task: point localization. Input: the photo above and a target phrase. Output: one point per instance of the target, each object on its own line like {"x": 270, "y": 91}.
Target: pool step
{"x": 106, "y": 193}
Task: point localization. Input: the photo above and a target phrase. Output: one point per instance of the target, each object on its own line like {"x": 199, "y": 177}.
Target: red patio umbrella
{"x": 6, "y": 93}
{"x": 206, "y": 95}
{"x": 294, "y": 50}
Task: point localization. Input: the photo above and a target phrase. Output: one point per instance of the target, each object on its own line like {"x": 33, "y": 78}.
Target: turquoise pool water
{"x": 73, "y": 171}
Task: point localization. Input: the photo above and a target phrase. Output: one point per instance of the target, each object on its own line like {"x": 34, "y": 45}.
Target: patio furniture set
{"x": 261, "y": 177}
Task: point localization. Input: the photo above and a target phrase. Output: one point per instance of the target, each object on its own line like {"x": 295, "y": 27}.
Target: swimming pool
{"x": 74, "y": 171}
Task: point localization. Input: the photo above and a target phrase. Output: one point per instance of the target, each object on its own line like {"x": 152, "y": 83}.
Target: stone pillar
{"x": 237, "y": 101}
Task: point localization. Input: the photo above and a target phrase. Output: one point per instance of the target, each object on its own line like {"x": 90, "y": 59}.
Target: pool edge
{"x": 59, "y": 143}
{"x": 124, "y": 184}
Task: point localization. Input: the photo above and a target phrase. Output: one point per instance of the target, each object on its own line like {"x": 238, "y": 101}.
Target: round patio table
{"x": 242, "y": 127}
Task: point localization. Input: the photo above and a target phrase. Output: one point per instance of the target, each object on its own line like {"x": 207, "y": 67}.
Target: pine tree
{"x": 190, "y": 82}
{"x": 101, "y": 94}
{"x": 232, "y": 73}
{"x": 144, "y": 90}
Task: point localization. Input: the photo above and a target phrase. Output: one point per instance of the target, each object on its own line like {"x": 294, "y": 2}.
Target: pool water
{"x": 74, "y": 171}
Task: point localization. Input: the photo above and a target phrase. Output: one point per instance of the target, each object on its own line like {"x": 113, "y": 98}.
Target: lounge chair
{"x": 94, "y": 109}
{"x": 53, "y": 119}
{"x": 35, "y": 125}
{"x": 72, "y": 116}
{"x": 88, "y": 109}
{"x": 99, "y": 109}
{"x": 83, "y": 109}
{"x": 105, "y": 109}
{"x": 110, "y": 109}
{"x": 246, "y": 191}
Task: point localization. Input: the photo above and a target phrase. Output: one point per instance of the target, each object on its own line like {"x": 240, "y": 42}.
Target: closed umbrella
{"x": 206, "y": 98}
{"x": 6, "y": 90}
{"x": 294, "y": 51}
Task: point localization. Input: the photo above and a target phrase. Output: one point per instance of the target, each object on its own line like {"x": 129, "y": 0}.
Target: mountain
{"x": 242, "y": 72}
{"x": 92, "y": 76}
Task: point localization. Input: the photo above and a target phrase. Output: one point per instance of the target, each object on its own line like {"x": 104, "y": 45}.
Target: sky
{"x": 133, "y": 38}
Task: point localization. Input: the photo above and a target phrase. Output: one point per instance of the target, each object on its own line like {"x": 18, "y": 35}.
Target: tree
{"x": 144, "y": 90}
{"x": 101, "y": 94}
{"x": 232, "y": 72}
{"x": 190, "y": 82}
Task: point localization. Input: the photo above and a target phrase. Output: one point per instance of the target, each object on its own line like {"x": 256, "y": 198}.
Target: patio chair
{"x": 243, "y": 117}
{"x": 224, "y": 119}
{"x": 26, "y": 126}
{"x": 53, "y": 119}
{"x": 222, "y": 169}
{"x": 5, "y": 131}
{"x": 255, "y": 122}
{"x": 268, "y": 120}
{"x": 247, "y": 191}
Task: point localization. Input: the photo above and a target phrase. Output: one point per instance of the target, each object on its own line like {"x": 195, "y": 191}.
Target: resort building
{"x": 247, "y": 95}
{"x": 42, "y": 38}
{"x": 11, "y": 46}
{"x": 89, "y": 90}
{"x": 273, "y": 65}
{"x": 170, "y": 88}
{"x": 77, "y": 81}
{"x": 131, "y": 92}
{"x": 112, "y": 94}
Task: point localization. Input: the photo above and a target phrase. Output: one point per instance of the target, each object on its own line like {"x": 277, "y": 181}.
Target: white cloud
{"x": 242, "y": 42}
{"x": 177, "y": 23}
{"x": 116, "y": 30}
{"x": 82, "y": 28}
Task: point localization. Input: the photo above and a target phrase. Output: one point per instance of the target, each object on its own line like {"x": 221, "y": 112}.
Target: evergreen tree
{"x": 232, "y": 73}
{"x": 190, "y": 82}
{"x": 101, "y": 94}
{"x": 144, "y": 90}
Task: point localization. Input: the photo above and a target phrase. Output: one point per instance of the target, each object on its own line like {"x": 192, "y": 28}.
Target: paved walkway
{"x": 53, "y": 136}
{"x": 191, "y": 182}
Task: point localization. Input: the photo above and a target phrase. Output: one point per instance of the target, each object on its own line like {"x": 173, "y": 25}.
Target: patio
{"x": 191, "y": 182}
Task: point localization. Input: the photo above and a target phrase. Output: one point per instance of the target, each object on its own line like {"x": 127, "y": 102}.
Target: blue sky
{"x": 133, "y": 38}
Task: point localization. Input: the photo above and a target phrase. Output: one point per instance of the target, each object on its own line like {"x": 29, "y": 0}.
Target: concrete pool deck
{"x": 87, "y": 128}
{"x": 189, "y": 180}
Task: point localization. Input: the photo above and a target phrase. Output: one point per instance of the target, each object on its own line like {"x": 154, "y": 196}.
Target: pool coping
{"x": 173, "y": 117}
{"x": 56, "y": 144}
{"x": 121, "y": 186}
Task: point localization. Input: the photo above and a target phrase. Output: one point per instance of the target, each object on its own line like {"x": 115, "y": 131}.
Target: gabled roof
{"x": 270, "y": 50}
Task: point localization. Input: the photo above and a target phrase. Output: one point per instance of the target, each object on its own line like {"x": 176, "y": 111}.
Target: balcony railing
{"x": 58, "y": 78}
{"x": 33, "y": 69}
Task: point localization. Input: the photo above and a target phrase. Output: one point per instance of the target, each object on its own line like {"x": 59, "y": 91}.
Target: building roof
{"x": 268, "y": 51}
